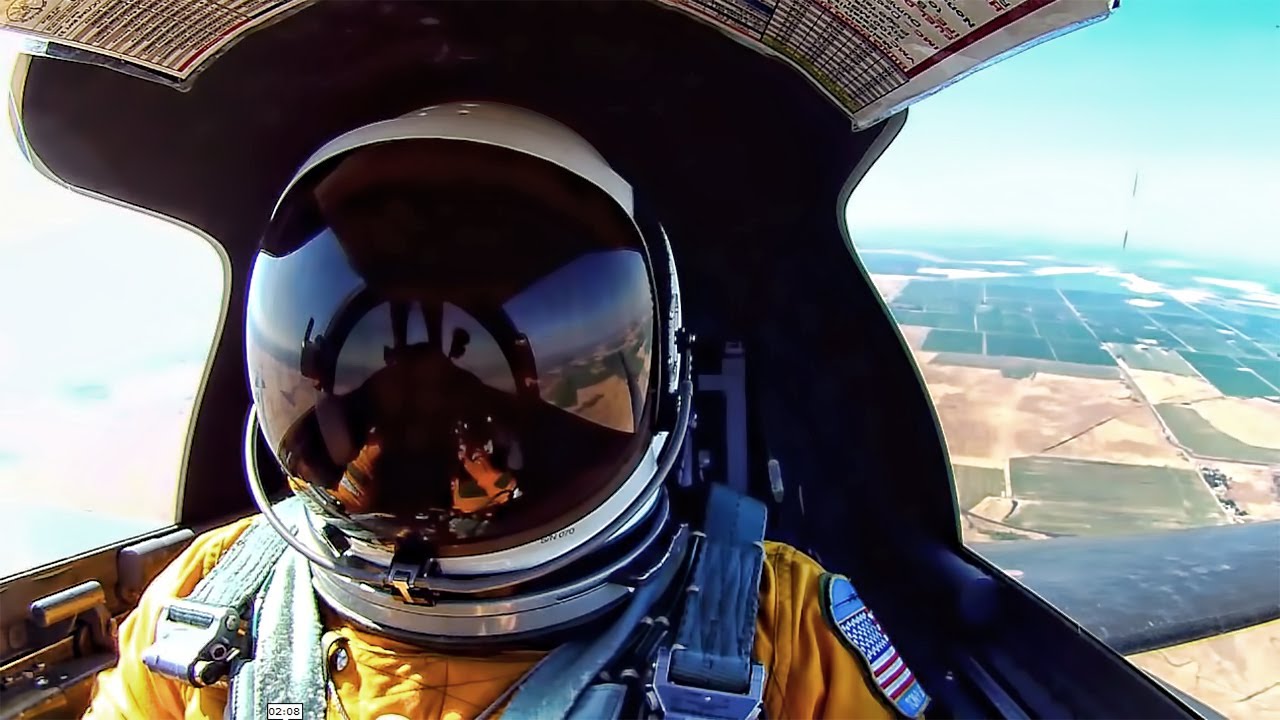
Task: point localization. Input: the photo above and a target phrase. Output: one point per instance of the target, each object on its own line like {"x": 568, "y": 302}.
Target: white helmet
{"x": 464, "y": 347}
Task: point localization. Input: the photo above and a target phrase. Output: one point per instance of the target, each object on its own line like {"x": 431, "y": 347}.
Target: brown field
{"x": 607, "y": 403}
{"x": 1251, "y": 488}
{"x": 914, "y": 337}
{"x": 1250, "y": 420}
{"x": 1161, "y": 387}
{"x": 988, "y": 418}
{"x": 1133, "y": 437}
{"x": 1234, "y": 673}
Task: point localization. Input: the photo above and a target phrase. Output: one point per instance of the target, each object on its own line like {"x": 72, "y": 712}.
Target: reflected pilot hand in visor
{"x": 485, "y": 482}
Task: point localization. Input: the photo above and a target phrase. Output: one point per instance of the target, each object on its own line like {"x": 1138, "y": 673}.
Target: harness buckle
{"x": 196, "y": 642}
{"x": 686, "y": 702}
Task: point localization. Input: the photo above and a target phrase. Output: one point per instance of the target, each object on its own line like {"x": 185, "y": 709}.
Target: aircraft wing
{"x": 1148, "y": 591}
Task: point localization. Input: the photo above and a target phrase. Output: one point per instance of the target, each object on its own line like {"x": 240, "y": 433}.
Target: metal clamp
{"x": 407, "y": 575}
{"x": 196, "y": 643}
{"x": 685, "y": 702}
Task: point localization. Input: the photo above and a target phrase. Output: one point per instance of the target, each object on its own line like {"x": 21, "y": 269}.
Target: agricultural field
{"x": 1201, "y": 437}
{"x": 987, "y": 416}
{"x": 1162, "y": 387}
{"x": 1253, "y": 487}
{"x": 1231, "y": 375}
{"x": 1016, "y": 367}
{"x": 1144, "y": 357}
{"x": 1249, "y": 420}
{"x": 1012, "y": 321}
{"x": 1085, "y": 497}
{"x": 1268, "y": 370}
{"x": 975, "y": 484}
{"x": 1082, "y": 400}
{"x": 961, "y": 341}
{"x": 1015, "y": 318}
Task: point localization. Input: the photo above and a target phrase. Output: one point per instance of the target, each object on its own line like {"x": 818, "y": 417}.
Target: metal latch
{"x": 686, "y": 702}
{"x": 86, "y": 605}
{"x": 408, "y": 573}
{"x": 196, "y": 643}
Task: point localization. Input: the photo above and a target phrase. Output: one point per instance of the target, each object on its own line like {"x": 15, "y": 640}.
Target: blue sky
{"x": 1045, "y": 144}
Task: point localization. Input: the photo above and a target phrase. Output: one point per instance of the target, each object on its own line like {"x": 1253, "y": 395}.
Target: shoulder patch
{"x": 852, "y": 621}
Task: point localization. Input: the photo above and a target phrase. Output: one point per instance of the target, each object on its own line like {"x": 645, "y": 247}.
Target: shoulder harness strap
{"x": 199, "y": 637}
{"x": 242, "y": 622}
{"x": 553, "y": 687}
{"x": 709, "y": 672}
{"x": 288, "y": 659}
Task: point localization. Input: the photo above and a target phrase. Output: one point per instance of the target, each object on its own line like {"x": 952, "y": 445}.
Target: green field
{"x": 1237, "y": 382}
{"x": 997, "y": 320}
{"x": 1201, "y": 359}
{"x": 1110, "y": 334}
{"x": 1025, "y": 346}
{"x": 1026, "y": 367}
{"x": 1268, "y": 370}
{"x": 1202, "y": 338}
{"x": 1066, "y": 318}
{"x": 1140, "y": 357}
{"x": 1229, "y": 376}
{"x": 928, "y": 292}
{"x": 1064, "y": 330}
{"x": 975, "y": 483}
{"x": 961, "y": 341}
{"x": 1054, "y": 313}
{"x": 1084, "y": 352}
{"x": 1202, "y": 438}
{"x": 1086, "y": 497}
{"x": 1246, "y": 349}
{"x": 1028, "y": 293}
{"x": 1154, "y": 336}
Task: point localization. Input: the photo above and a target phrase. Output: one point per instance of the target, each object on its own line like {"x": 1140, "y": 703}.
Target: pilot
{"x": 495, "y": 525}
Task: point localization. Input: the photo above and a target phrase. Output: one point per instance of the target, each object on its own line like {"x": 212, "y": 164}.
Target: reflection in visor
{"x": 488, "y": 464}
{"x": 590, "y": 324}
{"x": 453, "y": 361}
{"x": 483, "y": 479}
{"x": 420, "y": 420}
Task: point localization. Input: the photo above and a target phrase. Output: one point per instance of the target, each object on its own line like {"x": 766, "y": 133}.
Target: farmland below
{"x": 1079, "y": 399}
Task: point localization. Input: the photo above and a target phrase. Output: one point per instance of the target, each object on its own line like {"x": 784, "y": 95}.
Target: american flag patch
{"x": 860, "y": 631}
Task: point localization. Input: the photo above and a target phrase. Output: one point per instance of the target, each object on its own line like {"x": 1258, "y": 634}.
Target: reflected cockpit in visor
{"x": 452, "y": 344}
